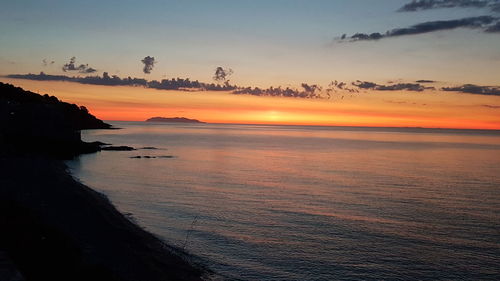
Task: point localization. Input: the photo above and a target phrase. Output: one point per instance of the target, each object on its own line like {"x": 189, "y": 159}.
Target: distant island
{"x": 173, "y": 120}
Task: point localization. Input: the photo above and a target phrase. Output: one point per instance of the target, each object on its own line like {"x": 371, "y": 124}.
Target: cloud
{"x": 364, "y": 84}
{"x": 339, "y": 87}
{"x": 87, "y": 69}
{"x": 70, "y": 66}
{"x": 307, "y": 91}
{"x": 310, "y": 88}
{"x": 420, "y": 5}
{"x": 475, "y": 90}
{"x": 425, "y": 81}
{"x": 114, "y": 80}
{"x": 82, "y": 68}
{"x": 493, "y": 28}
{"x": 495, "y": 7}
{"x": 45, "y": 62}
{"x": 395, "y": 87}
{"x": 491, "y": 106}
{"x": 149, "y": 63}
{"x": 483, "y": 22}
{"x": 222, "y": 75}
{"x": 364, "y": 36}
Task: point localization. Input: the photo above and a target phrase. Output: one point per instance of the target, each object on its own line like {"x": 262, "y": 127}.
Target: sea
{"x": 266, "y": 202}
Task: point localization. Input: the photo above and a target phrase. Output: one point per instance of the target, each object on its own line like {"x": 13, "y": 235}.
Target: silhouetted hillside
{"x": 31, "y": 123}
{"x": 17, "y": 101}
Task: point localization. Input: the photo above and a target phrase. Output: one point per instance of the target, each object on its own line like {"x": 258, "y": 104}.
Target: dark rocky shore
{"x": 52, "y": 226}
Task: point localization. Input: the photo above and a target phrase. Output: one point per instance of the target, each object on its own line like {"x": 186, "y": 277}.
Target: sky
{"x": 267, "y": 43}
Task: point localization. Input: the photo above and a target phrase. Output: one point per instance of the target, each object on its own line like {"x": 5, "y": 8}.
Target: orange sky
{"x": 394, "y": 109}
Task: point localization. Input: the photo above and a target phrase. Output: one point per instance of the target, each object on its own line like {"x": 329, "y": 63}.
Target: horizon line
{"x": 310, "y": 125}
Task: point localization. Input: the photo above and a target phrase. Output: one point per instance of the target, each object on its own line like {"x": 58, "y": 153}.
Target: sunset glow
{"x": 379, "y": 109}
{"x": 249, "y": 140}
{"x": 395, "y": 65}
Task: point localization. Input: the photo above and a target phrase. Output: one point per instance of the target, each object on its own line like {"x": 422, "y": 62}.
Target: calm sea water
{"x": 311, "y": 203}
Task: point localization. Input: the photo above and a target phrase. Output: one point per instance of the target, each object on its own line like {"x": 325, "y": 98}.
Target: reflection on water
{"x": 311, "y": 203}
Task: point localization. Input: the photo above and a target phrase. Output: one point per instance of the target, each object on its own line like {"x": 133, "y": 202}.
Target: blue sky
{"x": 273, "y": 42}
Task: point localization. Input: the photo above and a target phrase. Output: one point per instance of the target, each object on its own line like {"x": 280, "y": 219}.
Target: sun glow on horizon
{"x": 375, "y": 109}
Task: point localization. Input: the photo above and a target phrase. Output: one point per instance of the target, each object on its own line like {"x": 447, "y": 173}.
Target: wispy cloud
{"x": 222, "y": 74}
{"x": 336, "y": 86}
{"x": 481, "y": 22}
{"x": 46, "y": 62}
{"x": 82, "y": 68}
{"x": 420, "y": 5}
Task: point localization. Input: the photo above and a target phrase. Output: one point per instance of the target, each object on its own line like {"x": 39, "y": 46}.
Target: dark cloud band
{"x": 474, "y": 89}
{"x": 307, "y": 91}
{"x": 394, "y": 87}
{"x": 487, "y": 23}
{"x": 420, "y": 5}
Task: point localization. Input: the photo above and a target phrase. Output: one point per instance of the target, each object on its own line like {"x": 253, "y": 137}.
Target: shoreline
{"x": 66, "y": 230}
